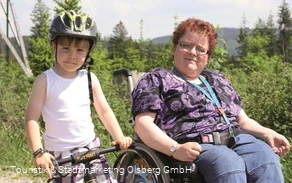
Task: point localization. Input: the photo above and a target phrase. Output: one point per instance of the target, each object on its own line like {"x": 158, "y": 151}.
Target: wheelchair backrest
{"x": 131, "y": 77}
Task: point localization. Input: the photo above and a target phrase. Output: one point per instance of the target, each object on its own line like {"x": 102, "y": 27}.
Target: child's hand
{"x": 123, "y": 142}
{"x": 44, "y": 162}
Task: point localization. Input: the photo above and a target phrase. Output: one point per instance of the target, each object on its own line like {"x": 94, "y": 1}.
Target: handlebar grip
{"x": 97, "y": 152}
{"x": 124, "y": 71}
{"x": 109, "y": 149}
{"x": 65, "y": 160}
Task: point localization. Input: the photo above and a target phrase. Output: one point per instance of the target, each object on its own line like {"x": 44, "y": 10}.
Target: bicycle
{"x": 82, "y": 157}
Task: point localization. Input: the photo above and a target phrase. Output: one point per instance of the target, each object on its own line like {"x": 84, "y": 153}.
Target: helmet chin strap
{"x": 56, "y": 50}
{"x": 87, "y": 65}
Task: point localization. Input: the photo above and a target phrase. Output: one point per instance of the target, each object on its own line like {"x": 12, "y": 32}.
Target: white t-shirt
{"x": 66, "y": 112}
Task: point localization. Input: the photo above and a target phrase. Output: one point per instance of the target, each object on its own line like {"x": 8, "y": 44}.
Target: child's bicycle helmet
{"x": 70, "y": 23}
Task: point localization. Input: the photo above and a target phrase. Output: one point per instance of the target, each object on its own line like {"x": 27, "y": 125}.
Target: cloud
{"x": 259, "y": 6}
{"x": 157, "y": 14}
{"x": 238, "y": 3}
{"x": 144, "y": 5}
{"x": 121, "y": 8}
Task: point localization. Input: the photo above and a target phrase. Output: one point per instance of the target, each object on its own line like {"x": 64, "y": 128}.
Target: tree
{"x": 242, "y": 38}
{"x": 141, "y": 29}
{"x": 219, "y": 58}
{"x": 64, "y": 5}
{"x": 40, "y": 55}
{"x": 270, "y": 31}
{"x": 255, "y": 57}
{"x": 259, "y": 28}
{"x": 119, "y": 42}
{"x": 40, "y": 17}
{"x": 285, "y": 28}
{"x": 163, "y": 57}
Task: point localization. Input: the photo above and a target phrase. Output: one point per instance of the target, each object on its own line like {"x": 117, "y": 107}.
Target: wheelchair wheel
{"x": 140, "y": 164}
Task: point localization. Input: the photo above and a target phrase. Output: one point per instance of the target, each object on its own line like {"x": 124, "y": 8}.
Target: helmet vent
{"x": 88, "y": 23}
{"x": 67, "y": 21}
{"x": 78, "y": 22}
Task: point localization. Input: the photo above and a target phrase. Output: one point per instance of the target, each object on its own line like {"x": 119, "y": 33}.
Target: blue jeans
{"x": 250, "y": 160}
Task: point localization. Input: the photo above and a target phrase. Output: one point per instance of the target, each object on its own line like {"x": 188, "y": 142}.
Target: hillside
{"x": 228, "y": 34}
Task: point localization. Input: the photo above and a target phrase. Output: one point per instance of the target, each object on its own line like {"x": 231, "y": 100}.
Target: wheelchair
{"x": 141, "y": 164}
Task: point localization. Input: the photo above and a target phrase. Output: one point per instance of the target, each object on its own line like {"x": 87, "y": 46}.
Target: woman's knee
{"x": 262, "y": 164}
{"x": 269, "y": 172}
{"x": 218, "y": 163}
{"x": 255, "y": 152}
{"x": 224, "y": 156}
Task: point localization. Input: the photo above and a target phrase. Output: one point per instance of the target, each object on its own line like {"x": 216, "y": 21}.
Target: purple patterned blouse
{"x": 183, "y": 111}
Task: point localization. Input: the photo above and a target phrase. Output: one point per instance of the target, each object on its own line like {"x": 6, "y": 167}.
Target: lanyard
{"x": 211, "y": 96}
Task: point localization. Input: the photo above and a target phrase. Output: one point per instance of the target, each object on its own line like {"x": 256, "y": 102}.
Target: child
{"x": 61, "y": 95}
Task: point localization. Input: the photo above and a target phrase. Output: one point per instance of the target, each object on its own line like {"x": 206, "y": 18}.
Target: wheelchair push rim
{"x": 140, "y": 165}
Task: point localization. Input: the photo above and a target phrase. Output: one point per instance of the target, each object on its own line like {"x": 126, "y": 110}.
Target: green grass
{"x": 16, "y": 157}
{"x": 286, "y": 167}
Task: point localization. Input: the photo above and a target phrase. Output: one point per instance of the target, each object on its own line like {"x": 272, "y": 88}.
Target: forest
{"x": 261, "y": 72}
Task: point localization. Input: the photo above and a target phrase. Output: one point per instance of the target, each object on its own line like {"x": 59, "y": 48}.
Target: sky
{"x": 158, "y": 15}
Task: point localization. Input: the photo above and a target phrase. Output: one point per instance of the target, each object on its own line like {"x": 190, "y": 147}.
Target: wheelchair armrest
{"x": 178, "y": 168}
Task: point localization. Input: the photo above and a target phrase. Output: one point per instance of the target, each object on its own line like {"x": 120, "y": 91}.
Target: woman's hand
{"x": 188, "y": 151}
{"x": 278, "y": 142}
{"x": 44, "y": 162}
{"x": 123, "y": 142}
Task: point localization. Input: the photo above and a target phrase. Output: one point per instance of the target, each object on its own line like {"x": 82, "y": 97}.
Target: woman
{"x": 194, "y": 114}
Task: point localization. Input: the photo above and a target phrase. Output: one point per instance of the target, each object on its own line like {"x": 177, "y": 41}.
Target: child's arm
{"x": 107, "y": 116}
{"x": 33, "y": 112}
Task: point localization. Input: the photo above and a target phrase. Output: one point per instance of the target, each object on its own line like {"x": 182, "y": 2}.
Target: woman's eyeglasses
{"x": 199, "y": 49}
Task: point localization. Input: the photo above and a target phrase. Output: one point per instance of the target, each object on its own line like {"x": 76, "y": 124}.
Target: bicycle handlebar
{"x": 86, "y": 156}
{"x": 82, "y": 157}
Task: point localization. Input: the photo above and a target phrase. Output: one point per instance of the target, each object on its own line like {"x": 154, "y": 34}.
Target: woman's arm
{"x": 251, "y": 126}
{"x": 277, "y": 141}
{"x": 155, "y": 138}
